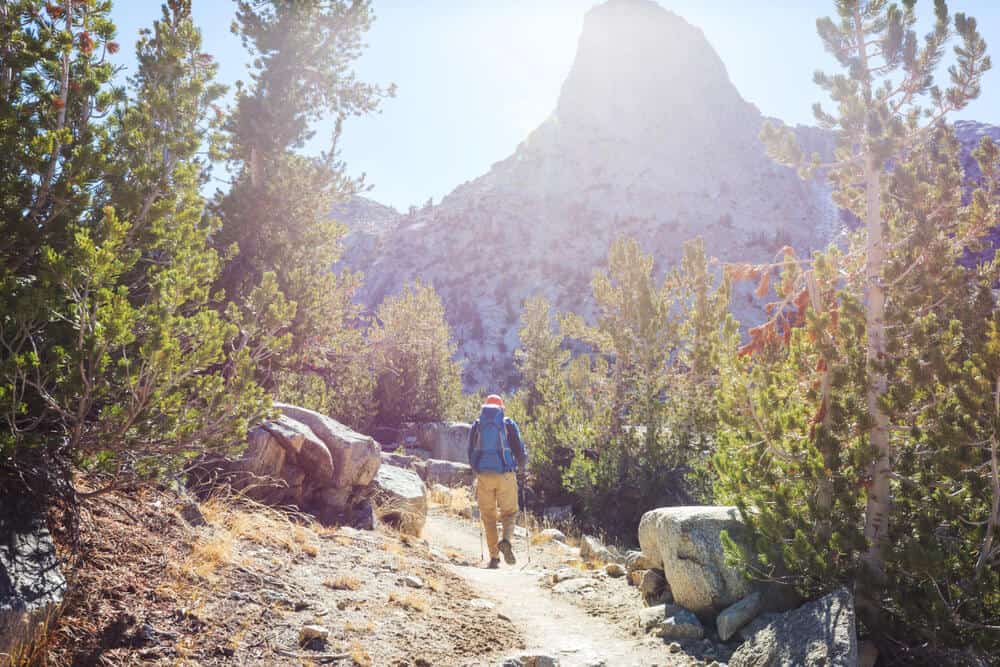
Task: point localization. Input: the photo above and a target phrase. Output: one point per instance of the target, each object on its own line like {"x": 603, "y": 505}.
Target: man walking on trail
{"x": 496, "y": 451}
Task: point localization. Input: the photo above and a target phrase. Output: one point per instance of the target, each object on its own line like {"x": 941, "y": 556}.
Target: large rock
{"x": 282, "y": 464}
{"x": 820, "y": 633}
{"x": 650, "y": 617}
{"x": 31, "y": 584}
{"x": 356, "y": 457}
{"x": 264, "y": 455}
{"x": 444, "y": 441}
{"x": 653, "y": 587}
{"x": 309, "y": 450}
{"x": 448, "y": 473}
{"x": 737, "y": 615}
{"x": 401, "y": 498}
{"x": 685, "y": 542}
{"x": 414, "y": 463}
{"x": 303, "y": 459}
{"x": 682, "y": 625}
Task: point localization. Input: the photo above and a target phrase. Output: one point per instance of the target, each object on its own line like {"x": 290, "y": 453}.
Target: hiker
{"x": 496, "y": 451}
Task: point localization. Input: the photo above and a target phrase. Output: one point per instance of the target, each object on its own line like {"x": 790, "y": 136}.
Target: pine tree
{"x": 417, "y": 377}
{"x": 793, "y": 452}
{"x": 654, "y": 427}
{"x": 54, "y": 86}
{"x": 878, "y": 119}
{"x": 275, "y": 217}
{"x": 554, "y": 405}
{"x": 635, "y": 329}
{"x": 112, "y": 354}
{"x": 541, "y": 355}
{"x": 943, "y": 370}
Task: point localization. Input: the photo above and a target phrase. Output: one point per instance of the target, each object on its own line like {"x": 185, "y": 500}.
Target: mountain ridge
{"x": 649, "y": 139}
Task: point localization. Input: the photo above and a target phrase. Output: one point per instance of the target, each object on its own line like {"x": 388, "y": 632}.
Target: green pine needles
{"x": 859, "y": 427}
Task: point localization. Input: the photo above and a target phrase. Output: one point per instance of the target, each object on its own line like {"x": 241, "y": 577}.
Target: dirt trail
{"x": 550, "y": 625}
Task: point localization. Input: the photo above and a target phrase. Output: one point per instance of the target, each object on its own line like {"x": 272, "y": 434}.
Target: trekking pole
{"x": 524, "y": 520}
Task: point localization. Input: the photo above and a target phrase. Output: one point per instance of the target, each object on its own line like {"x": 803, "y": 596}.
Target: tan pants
{"x": 494, "y": 490}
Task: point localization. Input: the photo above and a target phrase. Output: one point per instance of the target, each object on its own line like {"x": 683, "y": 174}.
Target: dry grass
{"x": 456, "y": 500}
{"x": 359, "y": 655}
{"x": 393, "y": 548}
{"x": 395, "y": 513}
{"x": 358, "y": 627}
{"x": 410, "y": 601}
{"x": 343, "y": 582}
{"x": 30, "y": 645}
{"x": 303, "y": 538}
{"x": 434, "y": 584}
{"x": 440, "y": 498}
{"x": 538, "y": 539}
{"x": 233, "y": 518}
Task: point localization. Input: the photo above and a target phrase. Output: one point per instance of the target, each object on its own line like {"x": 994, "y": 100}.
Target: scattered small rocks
{"x": 563, "y": 574}
{"x": 572, "y": 586}
{"x": 636, "y": 560}
{"x": 313, "y": 635}
{"x": 614, "y": 570}
{"x": 531, "y": 660}
{"x": 682, "y": 625}
{"x": 553, "y": 534}
{"x": 480, "y": 603}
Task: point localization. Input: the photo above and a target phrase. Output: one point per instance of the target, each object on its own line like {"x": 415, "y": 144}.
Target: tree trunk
{"x": 878, "y": 506}
{"x": 986, "y": 551}
{"x": 824, "y": 487}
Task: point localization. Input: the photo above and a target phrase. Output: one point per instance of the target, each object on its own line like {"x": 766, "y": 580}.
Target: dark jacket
{"x": 514, "y": 441}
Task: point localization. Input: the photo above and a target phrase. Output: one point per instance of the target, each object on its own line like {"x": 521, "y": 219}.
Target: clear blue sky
{"x": 476, "y": 76}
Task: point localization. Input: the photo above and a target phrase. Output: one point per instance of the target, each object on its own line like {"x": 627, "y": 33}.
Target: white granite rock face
{"x": 686, "y": 543}
{"x": 650, "y": 140}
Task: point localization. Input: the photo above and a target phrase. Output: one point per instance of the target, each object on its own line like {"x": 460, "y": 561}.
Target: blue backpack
{"x": 491, "y": 451}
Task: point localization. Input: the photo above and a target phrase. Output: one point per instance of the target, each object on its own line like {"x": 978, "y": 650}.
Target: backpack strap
{"x": 502, "y": 441}
{"x": 477, "y": 444}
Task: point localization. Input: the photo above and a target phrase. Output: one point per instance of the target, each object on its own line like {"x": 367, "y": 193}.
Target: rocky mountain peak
{"x": 649, "y": 140}
{"x": 640, "y": 68}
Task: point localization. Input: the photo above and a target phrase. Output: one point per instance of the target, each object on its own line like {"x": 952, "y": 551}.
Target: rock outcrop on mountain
{"x": 649, "y": 140}
{"x": 368, "y": 222}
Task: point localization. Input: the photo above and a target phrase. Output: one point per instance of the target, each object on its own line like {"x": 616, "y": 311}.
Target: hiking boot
{"x": 507, "y": 551}
{"x": 494, "y": 564}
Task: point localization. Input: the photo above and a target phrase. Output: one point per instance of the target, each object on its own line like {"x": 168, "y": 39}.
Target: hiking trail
{"x": 550, "y": 625}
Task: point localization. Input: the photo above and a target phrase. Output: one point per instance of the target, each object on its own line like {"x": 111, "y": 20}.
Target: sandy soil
{"x": 153, "y": 590}
{"x": 579, "y": 629}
